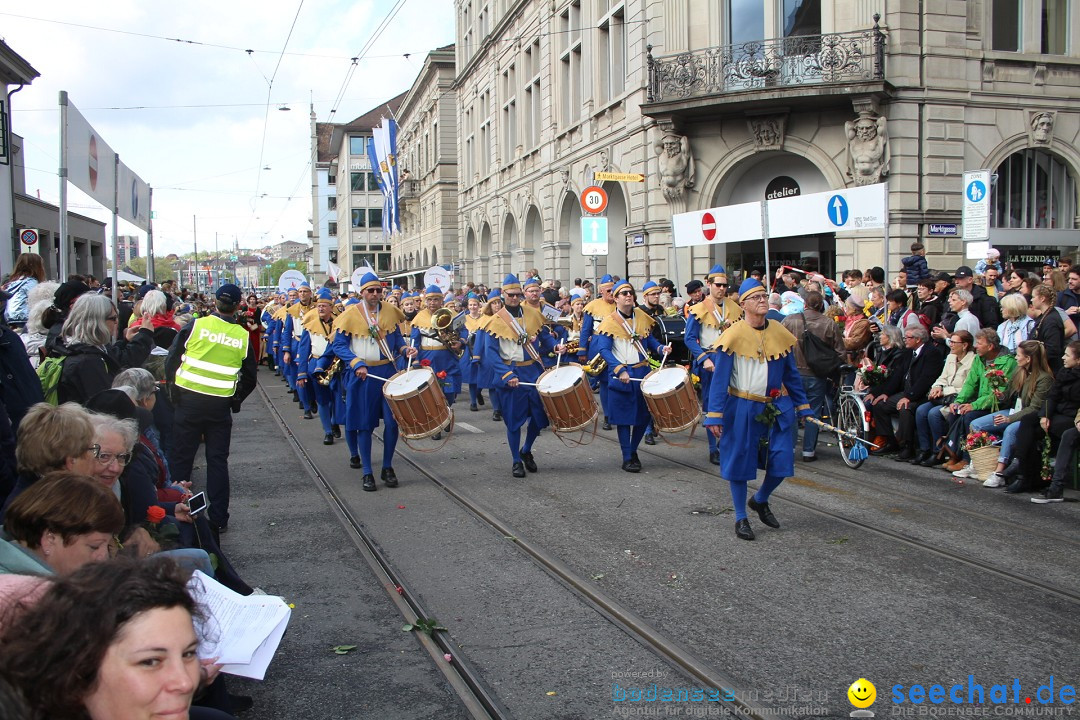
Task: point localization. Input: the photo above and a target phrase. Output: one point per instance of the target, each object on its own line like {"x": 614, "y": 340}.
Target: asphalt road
{"x": 891, "y": 573}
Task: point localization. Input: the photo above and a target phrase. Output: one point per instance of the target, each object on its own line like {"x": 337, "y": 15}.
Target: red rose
{"x": 441, "y": 374}
{"x": 425, "y": 363}
{"x": 155, "y": 514}
{"x": 774, "y": 393}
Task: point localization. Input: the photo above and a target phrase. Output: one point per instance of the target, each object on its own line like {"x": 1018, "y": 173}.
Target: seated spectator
{"x": 930, "y": 305}
{"x": 1017, "y": 326}
{"x": 52, "y": 438}
{"x": 890, "y": 350}
{"x": 1027, "y": 392}
{"x": 857, "y": 334}
{"x": 145, "y": 393}
{"x": 959, "y": 317}
{"x": 60, "y": 524}
{"x": 975, "y": 398}
{"x": 1049, "y": 327}
{"x": 91, "y": 358}
{"x": 70, "y": 655}
{"x": 905, "y": 390}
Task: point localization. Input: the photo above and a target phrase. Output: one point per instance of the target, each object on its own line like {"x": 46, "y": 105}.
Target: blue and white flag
{"x": 374, "y": 160}
{"x": 385, "y": 137}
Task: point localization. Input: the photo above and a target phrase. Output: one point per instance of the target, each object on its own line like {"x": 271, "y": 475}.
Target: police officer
{"x": 212, "y": 368}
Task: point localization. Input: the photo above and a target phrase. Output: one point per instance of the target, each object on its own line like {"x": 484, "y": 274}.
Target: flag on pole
{"x": 333, "y": 271}
{"x": 385, "y": 137}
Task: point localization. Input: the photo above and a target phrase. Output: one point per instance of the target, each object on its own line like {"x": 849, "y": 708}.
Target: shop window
{"x": 1034, "y": 190}
{"x": 1006, "y": 25}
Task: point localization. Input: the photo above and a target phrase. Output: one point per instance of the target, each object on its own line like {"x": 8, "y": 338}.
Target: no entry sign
{"x": 708, "y": 226}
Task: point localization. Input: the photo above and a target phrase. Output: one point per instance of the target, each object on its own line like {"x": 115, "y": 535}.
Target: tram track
{"x": 462, "y": 675}
{"x": 902, "y": 538}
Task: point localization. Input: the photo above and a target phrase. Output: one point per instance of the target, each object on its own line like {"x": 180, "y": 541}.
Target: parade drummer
{"x": 624, "y": 339}
{"x": 470, "y": 360}
{"x": 434, "y": 352}
{"x": 314, "y": 342}
{"x": 755, "y": 394}
{"x": 514, "y": 340}
{"x": 595, "y": 312}
{"x": 650, "y": 305}
{"x": 367, "y": 339}
{"x": 704, "y": 325}
{"x": 485, "y": 375}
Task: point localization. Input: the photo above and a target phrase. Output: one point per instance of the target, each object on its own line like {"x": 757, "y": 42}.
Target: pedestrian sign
{"x": 976, "y": 209}
{"x": 976, "y": 191}
{"x": 594, "y": 237}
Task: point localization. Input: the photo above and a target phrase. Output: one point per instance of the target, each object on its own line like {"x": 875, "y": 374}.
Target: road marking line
{"x": 470, "y": 428}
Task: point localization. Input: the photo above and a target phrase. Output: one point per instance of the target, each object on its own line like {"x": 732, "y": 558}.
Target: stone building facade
{"x": 717, "y": 103}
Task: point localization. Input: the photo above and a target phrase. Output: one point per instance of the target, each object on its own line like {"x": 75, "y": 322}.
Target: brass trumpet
{"x": 596, "y": 365}
{"x": 331, "y": 372}
{"x": 447, "y": 327}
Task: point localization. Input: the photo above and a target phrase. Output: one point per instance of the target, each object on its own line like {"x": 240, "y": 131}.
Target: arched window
{"x": 1034, "y": 190}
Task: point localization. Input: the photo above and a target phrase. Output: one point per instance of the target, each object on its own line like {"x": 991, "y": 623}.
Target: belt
{"x": 522, "y": 363}
{"x": 643, "y": 363}
{"x": 376, "y": 363}
{"x": 434, "y": 347}
{"x": 751, "y": 396}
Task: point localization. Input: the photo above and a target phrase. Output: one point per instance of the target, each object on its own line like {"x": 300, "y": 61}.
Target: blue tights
{"x": 513, "y": 439}
{"x": 738, "y": 494}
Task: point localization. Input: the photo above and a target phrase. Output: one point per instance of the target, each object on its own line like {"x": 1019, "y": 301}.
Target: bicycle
{"x": 852, "y": 417}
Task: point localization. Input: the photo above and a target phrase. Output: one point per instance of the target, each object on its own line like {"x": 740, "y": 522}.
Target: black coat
{"x": 1050, "y": 331}
{"x": 896, "y": 361}
{"x": 922, "y": 372}
{"x": 985, "y": 307}
{"x": 89, "y": 369}
{"x": 1064, "y": 396}
{"x": 19, "y": 384}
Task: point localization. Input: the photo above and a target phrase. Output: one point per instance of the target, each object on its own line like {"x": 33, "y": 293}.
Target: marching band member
{"x": 440, "y": 357}
{"x": 755, "y": 376}
{"x": 314, "y": 341}
{"x": 577, "y": 315}
{"x": 470, "y": 361}
{"x": 367, "y": 339}
{"x": 595, "y": 312}
{"x": 650, "y": 305}
{"x": 485, "y": 375}
{"x": 515, "y": 339}
{"x": 267, "y": 319}
{"x": 624, "y": 339}
{"x": 278, "y": 320}
{"x": 290, "y": 341}
{"x": 706, "y": 321}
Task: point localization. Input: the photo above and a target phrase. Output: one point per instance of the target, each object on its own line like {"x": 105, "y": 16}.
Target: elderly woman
{"x": 91, "y": 357}
{"x": 857, "y": 333}
{"x": 1017, "y": 326}
{"x": 113, "y": 640}
{"x": 942, "y": 392}
{"x": 890, "y": 353}
{"x": 959, "y": 316}
{"x": 52, "y": 437}
{"x": 60, "y": 524}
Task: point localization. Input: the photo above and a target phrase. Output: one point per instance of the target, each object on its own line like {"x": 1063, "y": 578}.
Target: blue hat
{"x": 510, "y": 283}
{"x": 496, "y": 293}
{"x": 717, "y": 272}
{"x": 749, "y": 287}
{"x": 324, "y": 295}
{"x": 305, "y": 284}
{"x": 229, "y": 292}
{"x": 623, "y": 285}
{"x": 369, "y": 280}
{"x": 606, "y": 282}
{"x": 350, "y": 301}
{"x": 530, "y": 281}
{"x": 396, "y": 287}
{"x": 649, "y": 287}
{"x": 433, "y": 290}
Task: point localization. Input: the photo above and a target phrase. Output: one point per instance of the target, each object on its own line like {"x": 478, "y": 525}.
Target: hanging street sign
{"x": 618, "y": 177}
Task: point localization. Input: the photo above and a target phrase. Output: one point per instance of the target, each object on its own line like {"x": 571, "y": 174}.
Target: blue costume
{"x": 485, "y": 376}
{"x": 314, "y": 344}
{"x": 356, "y": 341}
{"x": 756, "y": 374}
{"x": 595, "y": 312}
{"x": 507, "y": 352}
{"x": 434, "y": 353}
{"x": 620, "y": 340}
{"x": 470, "y": 359}
{"x": 706, "y": 322}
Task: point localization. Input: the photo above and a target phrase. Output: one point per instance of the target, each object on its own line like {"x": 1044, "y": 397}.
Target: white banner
{"x": 858, "y": 208}
{"x": 290, "y": 280}
{"x": 717, "y": 226}
{"x": 438, "y": 276}
{"x": 133, "y": 198}
{"x": 90, "y": 162}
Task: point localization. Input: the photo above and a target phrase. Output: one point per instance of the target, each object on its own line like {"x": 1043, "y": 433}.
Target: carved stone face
{"x": 1041, "y": 127}
{"x": 671, "y": 146}
{"x": 866, "y": 129}
{"x": 767, "y": 134}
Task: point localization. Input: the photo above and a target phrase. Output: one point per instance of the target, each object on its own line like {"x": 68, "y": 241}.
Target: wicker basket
{"x": 984, "y": 460}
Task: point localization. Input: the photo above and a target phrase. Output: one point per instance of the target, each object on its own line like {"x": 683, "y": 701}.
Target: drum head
{"x": 663, "y": 380}
{"x": 407, "y": 382}
{"x": 559, "y": 379}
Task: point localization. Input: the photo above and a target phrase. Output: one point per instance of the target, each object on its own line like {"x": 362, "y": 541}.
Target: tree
{"x": 163, "y": 269}
{"x": 280, "y": 266}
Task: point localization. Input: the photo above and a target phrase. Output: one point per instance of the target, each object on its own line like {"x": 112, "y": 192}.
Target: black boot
{"x": 336, "y": 430}
{"x": 480, "y": 398}
{"x": 496, "y": 416}
{"x": 529, "y": 461}
{"x": 369, "y": 483}
{"x": 518, "y": 470}
{"x": 1012, "y": 469}
{"x": 1019, "y": 485}
{"x": 307, "y": 414}
{"x": 922, "y": 457}
{"x": 650, "y": 439}
{"x": 743, "y": 531}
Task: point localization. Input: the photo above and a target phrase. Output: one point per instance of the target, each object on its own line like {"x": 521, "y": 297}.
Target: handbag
{"x": 822, "y": 359}
{"x": 955, "y": 437}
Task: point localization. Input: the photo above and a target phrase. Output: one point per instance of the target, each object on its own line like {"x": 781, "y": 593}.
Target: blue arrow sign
{"x": 976, "y": 191}
{"x": 837, "y": 210}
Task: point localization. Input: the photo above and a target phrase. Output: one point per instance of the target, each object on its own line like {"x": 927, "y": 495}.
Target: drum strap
{"x": 630, "y": 333}
{"x": 513, "y": 324}
{"x": 380, "y": 337}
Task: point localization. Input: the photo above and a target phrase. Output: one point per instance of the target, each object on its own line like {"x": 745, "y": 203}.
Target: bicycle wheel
{"x": 849, "y": 420}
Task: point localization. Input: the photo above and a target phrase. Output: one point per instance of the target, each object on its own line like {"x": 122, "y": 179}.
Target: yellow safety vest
{"x": 213, "y": 354}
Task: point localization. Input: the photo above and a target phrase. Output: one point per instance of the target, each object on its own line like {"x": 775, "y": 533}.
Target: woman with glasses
{"x": 92, "y": 358}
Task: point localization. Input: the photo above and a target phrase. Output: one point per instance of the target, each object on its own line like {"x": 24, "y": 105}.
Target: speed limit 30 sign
{"x": 594, "y": 199}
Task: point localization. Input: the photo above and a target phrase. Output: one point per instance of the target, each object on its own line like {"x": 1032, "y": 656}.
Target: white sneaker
{"x": 968, "y": 471}
{"x": 994, "y": 480}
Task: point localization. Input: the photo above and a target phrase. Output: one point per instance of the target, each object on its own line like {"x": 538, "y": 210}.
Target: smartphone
{"x": 198, "y": 503}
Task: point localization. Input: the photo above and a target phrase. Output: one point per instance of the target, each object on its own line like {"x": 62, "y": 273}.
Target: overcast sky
{"x": 199, "y": 142}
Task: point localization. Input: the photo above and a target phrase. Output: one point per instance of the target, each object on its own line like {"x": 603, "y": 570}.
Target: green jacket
{"x": 1032, "y": 402}
{"x": 976, "y": 389}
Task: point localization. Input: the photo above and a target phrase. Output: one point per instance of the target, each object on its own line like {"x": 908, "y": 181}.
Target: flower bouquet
{"x": 873, "y": 374}
{"x": 767, "y": 417}
{"x": 982, "y": 447}
{"x": 998, "y": 382}
{"x": 166, "y": 535}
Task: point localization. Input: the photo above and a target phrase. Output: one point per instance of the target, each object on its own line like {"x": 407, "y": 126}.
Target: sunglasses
{"x": 625, "y": 292}
{"x": 719, "y": 284}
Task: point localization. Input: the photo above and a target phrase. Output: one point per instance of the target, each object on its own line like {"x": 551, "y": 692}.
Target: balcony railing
{"x": 838, "y": 58}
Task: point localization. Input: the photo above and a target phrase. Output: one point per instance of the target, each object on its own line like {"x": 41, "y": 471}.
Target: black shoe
{"x": 337, "y": 430}
{"x": 240, "y": 703}
{"x": 328, "y": 439}
{"x": 530, "y": 463}
{"x": 607, "y": 425}
{"x": 887, "y": 449}
{"x": 921, "y": 457}
{"x": 369, "y": 483}
{"x": 650, "y": 439}
{"x": 389, "y": 477}
{"x": 480, "y": 398}
{"x": 308, "y": 415}
{"x": 763, "y": 512}
{"x": 518, "y": 470}
{"x": 934, "y": 460}
{"x": 1012, "y": 469}
{"x": 354, "y": 461}
{"x": 714, "y": 457}
{"x": 496, "y": 416}
{"x": 473, "y": 407}
{"x": 905, "y": 455}
{"x": 631, "y": 466}
{"x": 437, "y": 436}
{"x": 743, "y": 531}
{"x": 1053, "y": 494}
{"x": 809, "y": 458}
{"x": 1019, "y": 485}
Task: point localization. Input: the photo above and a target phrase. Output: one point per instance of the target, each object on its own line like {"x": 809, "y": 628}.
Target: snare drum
{"x": 417, "y": 402}
{"x": 670, "y": 396}
{"x": 567, "y": 398}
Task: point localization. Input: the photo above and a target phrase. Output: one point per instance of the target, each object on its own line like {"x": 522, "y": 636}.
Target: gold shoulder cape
{"x": 281, "y": 312}
{"x": 422, "y": 320}
{"x": 473, "y": 324}
{"x": 771, "y": 343}
{"x": 600, "y": 308}
{"x": 703, "y": 311}
{"x": 298, "y": 310}
{"x": 641, "y": 323}
{"x": 530, "y": 319}
{"x": 354, "y": 321}
{"x": 314, "y": 326}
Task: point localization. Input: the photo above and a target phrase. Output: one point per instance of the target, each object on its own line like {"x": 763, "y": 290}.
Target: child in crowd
{"x": 915, "y": 265}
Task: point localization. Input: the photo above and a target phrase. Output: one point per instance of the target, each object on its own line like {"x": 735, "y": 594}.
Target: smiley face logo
{"x": 862, "y": 693}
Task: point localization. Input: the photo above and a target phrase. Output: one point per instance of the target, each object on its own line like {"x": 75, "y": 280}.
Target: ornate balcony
{"x": 808, "y": 66}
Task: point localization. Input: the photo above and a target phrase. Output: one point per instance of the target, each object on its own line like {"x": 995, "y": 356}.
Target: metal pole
{"x": 150, "y": 274}
{"x": 115, "y": 239}
{"x": 63, "y": 173}
{"x": 768, "y": 277}
{"x": 195, "y": 242}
